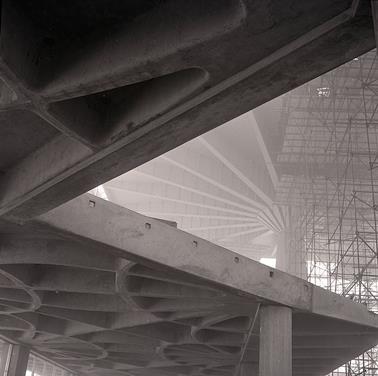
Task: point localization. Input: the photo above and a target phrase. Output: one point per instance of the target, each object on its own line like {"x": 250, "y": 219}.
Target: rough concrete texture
{"x": 106, "y": 291}
{"x": 95, "y": 88}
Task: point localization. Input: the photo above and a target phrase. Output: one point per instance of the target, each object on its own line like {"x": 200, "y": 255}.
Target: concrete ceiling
{"x": 235, "y": 184}
{"x": 90, "y": 91}
{"x": 95, "y": 89}
{"x": 106, "y": 291}
{"x": 220, "y": 186}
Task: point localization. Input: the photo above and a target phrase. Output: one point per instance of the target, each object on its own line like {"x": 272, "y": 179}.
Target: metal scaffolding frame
{"x": 331, "y": 146}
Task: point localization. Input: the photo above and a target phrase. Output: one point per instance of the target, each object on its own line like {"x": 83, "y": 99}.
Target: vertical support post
{"x": 282, "y": 257}
{"x": 17, "y": 361}
{"x": 275, "y": 341}
{"x": 288, "y": 258}
{"x": 6, "y": 351}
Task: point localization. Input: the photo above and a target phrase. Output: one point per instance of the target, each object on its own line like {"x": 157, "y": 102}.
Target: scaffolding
{"x": 329, "y": 183}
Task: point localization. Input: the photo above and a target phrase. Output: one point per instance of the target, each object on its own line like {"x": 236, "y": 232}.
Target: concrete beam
{"x": 168, "y": 101}
{"x": 114, "y": 291}
{"x": 97, "y": 222}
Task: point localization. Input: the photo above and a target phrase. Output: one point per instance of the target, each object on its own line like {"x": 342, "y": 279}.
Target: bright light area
{"x": 323, "y": 91}
{"x": 99, "y": 192}
{"x": 268, "y": 261}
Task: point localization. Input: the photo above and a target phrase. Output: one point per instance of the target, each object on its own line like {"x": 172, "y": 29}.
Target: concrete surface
{"x": 276, "y": 347}
{"x": 91, "y": 90}
{"x": 106, "y": 291}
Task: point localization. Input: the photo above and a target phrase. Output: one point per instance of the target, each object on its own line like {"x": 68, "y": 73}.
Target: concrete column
{"x": 282, "y": 255}
{"x": 275, "y": 358}
{"x": 17, "y": 361}
{"x": 6, "y": 351}
{"x": 288, "y": 259}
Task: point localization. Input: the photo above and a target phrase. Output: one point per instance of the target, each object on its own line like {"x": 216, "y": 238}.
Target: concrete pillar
{"x": 6, "y": 349}
{"x": 16, "y": 362}
{"x": 290, "y": 257}
{"x": 282, "y": 255}
{"x": 275, "y": 358}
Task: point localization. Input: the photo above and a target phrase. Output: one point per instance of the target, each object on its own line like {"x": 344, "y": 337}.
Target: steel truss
{"x": 331, "y": 143}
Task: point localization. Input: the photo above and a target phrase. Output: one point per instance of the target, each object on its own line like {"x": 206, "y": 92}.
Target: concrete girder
{"x": 72, "y": 96}
{"x": 105, "y": 290}
{"x": 141, "y": 238}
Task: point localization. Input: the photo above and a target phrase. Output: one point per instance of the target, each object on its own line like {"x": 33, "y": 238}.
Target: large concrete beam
{"x": 92, "y": 220}
{"x": 107, "y": 104}
{"x": 102, "y": 290}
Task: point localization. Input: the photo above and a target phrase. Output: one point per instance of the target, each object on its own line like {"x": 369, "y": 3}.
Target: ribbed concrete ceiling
{"x": 230, "y": 185}
{"x": 220, "y": 186}
{"x": 105, "y": 293}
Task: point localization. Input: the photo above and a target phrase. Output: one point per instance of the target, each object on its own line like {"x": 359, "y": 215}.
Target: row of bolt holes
{"x": 147, "y": 225}
{"x": 195, "y": 244}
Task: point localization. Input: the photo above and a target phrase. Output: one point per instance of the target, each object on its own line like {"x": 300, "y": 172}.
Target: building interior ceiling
{"x": 85, "y": 305}
{"x": 83, "y": 113}
{"x": 217, "y": 186}
{"x": 91, "y": 100}
{"x": 235, "y": 184}
{"x": 304, "y": 164}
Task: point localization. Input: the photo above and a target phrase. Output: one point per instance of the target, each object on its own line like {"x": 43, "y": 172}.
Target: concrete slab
{"x": 105, "y": 86}
{"x": 106, "y": 291}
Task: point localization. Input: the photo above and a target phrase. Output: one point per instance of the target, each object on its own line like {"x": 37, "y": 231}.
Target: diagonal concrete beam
{"x": 94, "y": 221}
{"x": 80, "y": 157}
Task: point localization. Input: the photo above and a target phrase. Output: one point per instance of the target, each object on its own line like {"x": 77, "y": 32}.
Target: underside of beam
{"x": 97, "y": 288}
{"x": 110, "y": 102}
{"x": 98, "y": 222}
